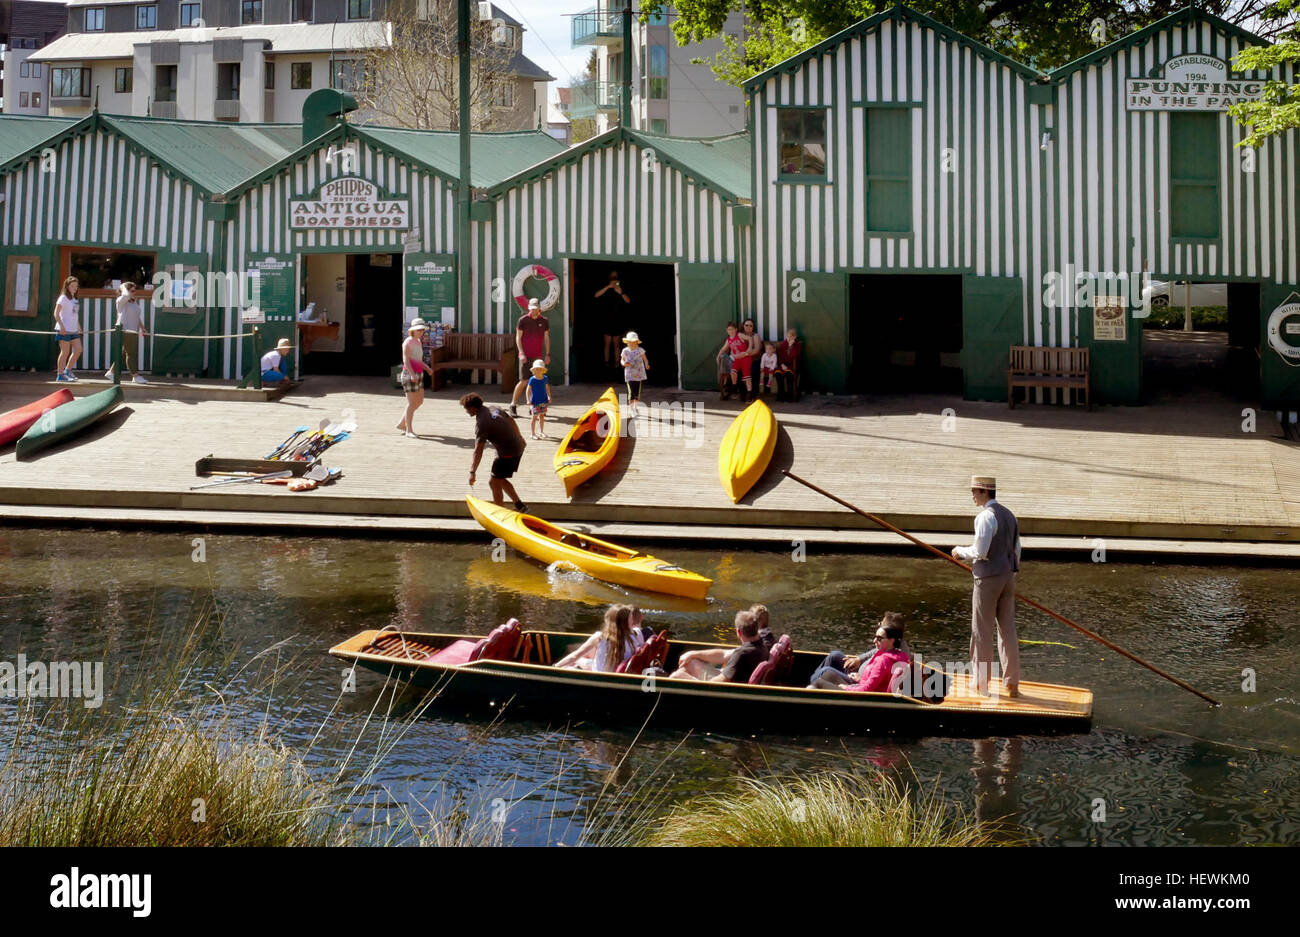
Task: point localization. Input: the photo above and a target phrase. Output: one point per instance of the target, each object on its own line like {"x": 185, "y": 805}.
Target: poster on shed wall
{"x": 1109, "y": 319}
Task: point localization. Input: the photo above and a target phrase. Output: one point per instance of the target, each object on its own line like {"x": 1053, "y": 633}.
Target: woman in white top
{"x": 587, "y": 655}
{"x": 412, "y": 374}
{"x": 131, "y": 319}
{"x": 67, "y": 326}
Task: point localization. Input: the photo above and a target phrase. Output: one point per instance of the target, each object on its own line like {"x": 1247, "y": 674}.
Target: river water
{"x": 1163, "y": 766}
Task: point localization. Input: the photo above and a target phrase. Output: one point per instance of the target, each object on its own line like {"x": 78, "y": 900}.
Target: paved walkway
{"x": 1181, "y": 470}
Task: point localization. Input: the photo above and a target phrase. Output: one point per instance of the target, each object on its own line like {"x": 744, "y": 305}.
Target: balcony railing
{"x": 588, "y": 97}
{"x": 598, "y": 28}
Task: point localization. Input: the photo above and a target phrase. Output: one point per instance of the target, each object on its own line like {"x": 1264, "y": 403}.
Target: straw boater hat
{"x": 987, "y": 482}
{"x": 631, "y": 337}
{"x": 538, "y": 365}
{"x": 283, "y": 345}
{"x": 534, "y": 303}
{"x": 417, "y": 323}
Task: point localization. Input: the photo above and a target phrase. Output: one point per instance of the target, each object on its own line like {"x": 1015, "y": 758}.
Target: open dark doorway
{"x": 651, "y": 313}
{"x": 905, "y": 333}
{"x": 363, "y": 293}
{"x": 1218, "y": 355}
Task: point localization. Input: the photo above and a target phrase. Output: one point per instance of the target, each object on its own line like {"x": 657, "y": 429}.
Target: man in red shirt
{"x": 533, "y": 341}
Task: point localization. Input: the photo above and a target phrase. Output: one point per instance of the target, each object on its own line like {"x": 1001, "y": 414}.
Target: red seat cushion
{"x": 776, "y": 669}
{"x": 457, "y": 652}
{"x": 501, "y": 644}
{"x": 650, "y": 654}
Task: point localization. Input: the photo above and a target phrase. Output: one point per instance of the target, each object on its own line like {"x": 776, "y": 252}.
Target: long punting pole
{"x": 463, "y": 125}
{"x": 1028, "y": 601}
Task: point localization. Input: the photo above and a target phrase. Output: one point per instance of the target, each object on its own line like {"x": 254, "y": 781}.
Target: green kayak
{"x": 66, "y": 421}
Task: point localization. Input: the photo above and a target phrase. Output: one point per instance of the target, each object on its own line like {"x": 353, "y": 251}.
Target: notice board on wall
{"x": 430, "y": 287}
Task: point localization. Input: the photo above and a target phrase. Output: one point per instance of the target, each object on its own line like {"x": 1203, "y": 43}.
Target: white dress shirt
{"x": 986, "y": 525}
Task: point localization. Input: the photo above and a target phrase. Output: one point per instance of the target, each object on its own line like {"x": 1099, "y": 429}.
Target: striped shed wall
{"x": 974, "y": 153}
{"x": 617, "y": 201}
{"x": 96, "y": 189}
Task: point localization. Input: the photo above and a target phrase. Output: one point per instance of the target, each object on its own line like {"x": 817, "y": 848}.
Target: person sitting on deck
{"x": 585, "y": 656}
{"x": 870, "y": 674}
{"x": 728, "y": 665}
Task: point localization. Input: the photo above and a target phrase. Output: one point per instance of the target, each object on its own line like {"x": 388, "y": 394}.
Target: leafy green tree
{"x": 1279, "y": 110}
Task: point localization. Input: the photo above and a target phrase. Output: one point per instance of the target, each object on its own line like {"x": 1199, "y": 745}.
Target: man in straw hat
{"x": 995, "y": 559}
{"x": 274, "y": 369}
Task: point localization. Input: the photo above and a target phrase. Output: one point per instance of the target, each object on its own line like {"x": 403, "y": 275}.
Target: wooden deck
{"x": 1164, "y": 471}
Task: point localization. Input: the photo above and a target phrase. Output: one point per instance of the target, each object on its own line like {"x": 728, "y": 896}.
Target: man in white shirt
{"x": 995, "y": 559}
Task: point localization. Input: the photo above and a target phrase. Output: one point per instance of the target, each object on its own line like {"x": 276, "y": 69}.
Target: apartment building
{"x": 670, "y": 94}
{"x": 26, "y": 27}
{"x": 244, "y": 60}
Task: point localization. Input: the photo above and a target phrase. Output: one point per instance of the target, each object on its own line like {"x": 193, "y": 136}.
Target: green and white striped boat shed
{"x": 896, "y": 147}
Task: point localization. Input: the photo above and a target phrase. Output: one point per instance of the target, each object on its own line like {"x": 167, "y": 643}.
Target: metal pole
{"x": 625, "y": 99}
{"x": 257, "y": 357}
{"x": 462, "y": 190}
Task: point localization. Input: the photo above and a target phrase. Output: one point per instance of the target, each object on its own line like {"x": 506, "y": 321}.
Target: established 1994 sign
{"x": 1191, "y": 83}
{"x": 349, "y": 202}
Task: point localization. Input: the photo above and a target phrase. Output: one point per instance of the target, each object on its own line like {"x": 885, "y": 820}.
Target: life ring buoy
{"x": 1290, "y": 353}
{"x": 552, "y": 286}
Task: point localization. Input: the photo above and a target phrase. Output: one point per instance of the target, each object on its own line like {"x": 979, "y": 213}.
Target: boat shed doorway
{"x": 905, "y": 333}
{"x": 651, "y": 313}
{"x": 363, "y": 294}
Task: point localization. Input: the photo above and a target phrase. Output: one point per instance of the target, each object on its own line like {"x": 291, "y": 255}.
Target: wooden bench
{"x": 1047, "y": 367}
{"x": 465, "y": 351}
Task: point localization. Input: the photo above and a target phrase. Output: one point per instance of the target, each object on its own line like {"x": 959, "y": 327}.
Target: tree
{"x": 1043, "y": 34}
{"x": 584, "y": 128}
{"x": 1279, "y": 110}
{"x": 410, "y": 77}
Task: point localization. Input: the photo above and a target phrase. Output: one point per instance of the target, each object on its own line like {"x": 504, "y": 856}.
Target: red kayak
{"x": 16, "y": 422}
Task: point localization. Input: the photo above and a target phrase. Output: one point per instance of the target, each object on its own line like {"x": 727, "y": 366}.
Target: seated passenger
{"x": 583, "y": 657}
{"x": 837, "y": 668}
{"x": 764, "y": 621}
{"x": 618, "y": 640}
{"x": 732, "y": 665}
{"x": 875, "y": 675}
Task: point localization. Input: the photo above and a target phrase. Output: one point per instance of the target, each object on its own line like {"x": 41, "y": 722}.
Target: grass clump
{"x": 831, "y": 809}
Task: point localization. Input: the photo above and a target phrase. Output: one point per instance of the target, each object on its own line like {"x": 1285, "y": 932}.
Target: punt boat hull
{"x": 16, "y": 422}
{"x": 67, "y": 420}
{"x": 529, "y": 686}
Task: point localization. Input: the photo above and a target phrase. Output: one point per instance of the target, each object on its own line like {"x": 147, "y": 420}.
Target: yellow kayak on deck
{"x": 597, "y": 558}
{"x": 590, "y": 445}
{"x": 747, "y": 449}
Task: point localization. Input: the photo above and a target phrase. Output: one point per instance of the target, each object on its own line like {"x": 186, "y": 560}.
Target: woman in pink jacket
{"x": 878, "y": 674}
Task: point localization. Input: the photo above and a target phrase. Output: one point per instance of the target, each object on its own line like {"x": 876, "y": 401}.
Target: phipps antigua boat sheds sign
{"x": 1191, "y": 83}
{"x": 349, "y": 203}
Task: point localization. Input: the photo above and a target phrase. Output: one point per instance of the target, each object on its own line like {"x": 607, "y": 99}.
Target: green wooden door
{"x": 817, "y": 308}
{"x": 992, "y": 321}
{"x": 706, "y": 302}
{"x": 557, "y": 317}
{"x": 182, "y": 306}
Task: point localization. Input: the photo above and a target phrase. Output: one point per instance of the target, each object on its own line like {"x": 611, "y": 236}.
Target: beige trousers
{"x": 993, "y": 605}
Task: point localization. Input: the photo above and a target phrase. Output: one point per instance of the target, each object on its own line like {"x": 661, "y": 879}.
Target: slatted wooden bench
{"x": 467, "y": 351}
{"x": 1047, "y": 367}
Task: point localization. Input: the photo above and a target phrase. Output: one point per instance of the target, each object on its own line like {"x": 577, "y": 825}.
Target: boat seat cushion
{"x": 457, "y": 652}
{"x": 776, "y": 669}
{"x": 501, "y": 644}
{"x": 651, "y": 654}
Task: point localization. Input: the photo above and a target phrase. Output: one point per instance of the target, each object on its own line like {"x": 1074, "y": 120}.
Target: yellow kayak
{"x": 590, "y": 445}
{"x": 747, "y": 449}
{"x": 597, "y": 558}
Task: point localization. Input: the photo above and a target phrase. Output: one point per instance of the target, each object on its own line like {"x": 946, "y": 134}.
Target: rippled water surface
{"x": 1169, "y": 768}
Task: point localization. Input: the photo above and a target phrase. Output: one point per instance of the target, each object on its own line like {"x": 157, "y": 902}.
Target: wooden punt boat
{"x": 590, "y": 445}
{"x": 599, "y": 558}
{"x": 747, "y": 449}
{"x": 67, "y": 420}
{"x": 20, "y": 419}
{"x": 528, "y": 684}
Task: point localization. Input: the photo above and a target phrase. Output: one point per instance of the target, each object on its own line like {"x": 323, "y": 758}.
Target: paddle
{"x": 1028, "y": 601}
{"x": 291, "y": 437}
{"x": 236, "y": 481}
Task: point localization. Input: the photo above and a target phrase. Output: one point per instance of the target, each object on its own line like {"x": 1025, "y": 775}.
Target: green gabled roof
{"x": 493, "y": 156}
{"x": 1143, "y": 35}
{"x": 900, "y": 13}
{"x": 19, "y": 134}
{"x": 721, "y": 163}
{"x": 215, "y": 156}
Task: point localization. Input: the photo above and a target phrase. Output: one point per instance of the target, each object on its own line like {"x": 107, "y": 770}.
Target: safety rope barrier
{"x": 110, "y": 332}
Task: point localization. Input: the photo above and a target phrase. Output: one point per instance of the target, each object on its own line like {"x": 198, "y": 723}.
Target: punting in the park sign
{"x": 349, "y": 202}
{"x": 1191, "y": 83}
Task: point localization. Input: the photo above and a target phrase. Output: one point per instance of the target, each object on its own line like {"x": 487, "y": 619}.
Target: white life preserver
{"x": 1290, "y": 353}
{"x": 552, "y": 286}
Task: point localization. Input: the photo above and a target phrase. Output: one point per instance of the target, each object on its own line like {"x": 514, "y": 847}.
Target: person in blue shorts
{"x": 539, "y": 398}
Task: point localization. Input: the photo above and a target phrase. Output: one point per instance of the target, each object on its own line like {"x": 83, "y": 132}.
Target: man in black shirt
{"x": 719, "y": 664}
{"x": 491, "y": 425}
{"x": 611, "y": 304}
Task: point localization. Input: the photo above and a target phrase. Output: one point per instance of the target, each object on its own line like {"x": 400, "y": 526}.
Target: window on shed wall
{"x": 802, "y": 132}
{"x": 1194, "y": 175}
{"x": 888, "y": 168}
{"x": 97, "y": 267}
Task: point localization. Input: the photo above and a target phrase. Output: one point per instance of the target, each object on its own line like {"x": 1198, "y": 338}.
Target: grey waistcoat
{"x": 1002, "y": 549}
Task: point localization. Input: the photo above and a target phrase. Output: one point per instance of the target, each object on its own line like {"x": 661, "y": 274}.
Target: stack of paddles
{"x": 317, "y": 441}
